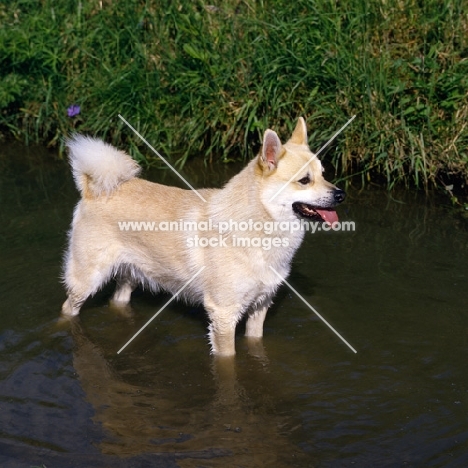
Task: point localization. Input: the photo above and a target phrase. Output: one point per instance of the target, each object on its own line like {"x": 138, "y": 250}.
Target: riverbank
{"x": 202, "y": 80}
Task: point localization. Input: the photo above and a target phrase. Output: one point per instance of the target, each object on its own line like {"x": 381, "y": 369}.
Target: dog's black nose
{"x": 339, "y": 195}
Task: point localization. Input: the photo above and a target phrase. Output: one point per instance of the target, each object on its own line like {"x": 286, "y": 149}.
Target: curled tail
{"x": 99, "y": 168}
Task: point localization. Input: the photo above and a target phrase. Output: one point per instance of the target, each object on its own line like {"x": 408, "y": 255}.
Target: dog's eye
{"x": 305, "y": 180}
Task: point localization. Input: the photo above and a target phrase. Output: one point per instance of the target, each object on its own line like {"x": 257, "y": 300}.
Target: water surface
{"x": 396, "y": 289}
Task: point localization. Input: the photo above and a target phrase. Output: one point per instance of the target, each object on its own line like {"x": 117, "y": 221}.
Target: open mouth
{"x": 314, "y": 213}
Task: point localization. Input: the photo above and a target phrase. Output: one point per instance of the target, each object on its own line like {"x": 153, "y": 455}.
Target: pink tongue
{"x": 328, "y": 216}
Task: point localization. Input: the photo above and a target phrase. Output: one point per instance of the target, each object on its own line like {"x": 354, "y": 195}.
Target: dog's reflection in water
{"x": 224, "y": 426}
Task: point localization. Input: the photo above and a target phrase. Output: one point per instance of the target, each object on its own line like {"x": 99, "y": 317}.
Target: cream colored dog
{"x": 231, "y": 272}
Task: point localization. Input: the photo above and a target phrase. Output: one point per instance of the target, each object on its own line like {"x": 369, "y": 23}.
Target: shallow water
{"x": 396, "y": 289}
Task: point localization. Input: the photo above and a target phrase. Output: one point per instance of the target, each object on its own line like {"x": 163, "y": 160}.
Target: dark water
{"x": 396, "y": 288}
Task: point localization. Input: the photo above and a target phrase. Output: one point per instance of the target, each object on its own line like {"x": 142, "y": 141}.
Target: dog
{"x": 282, "y": 184}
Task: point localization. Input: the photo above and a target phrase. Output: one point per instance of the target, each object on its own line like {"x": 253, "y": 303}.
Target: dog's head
{"x": 292, "y": 180}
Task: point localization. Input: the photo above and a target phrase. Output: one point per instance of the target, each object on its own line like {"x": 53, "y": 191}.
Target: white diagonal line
{"x": 313, "y": 157}
{"x": 313, "y": 310}
{"x": 163, "y": 159}
{"x": 160, "y": 310}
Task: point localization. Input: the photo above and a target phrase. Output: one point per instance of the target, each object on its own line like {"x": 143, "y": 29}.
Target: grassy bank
{"x": 201, "y": 79}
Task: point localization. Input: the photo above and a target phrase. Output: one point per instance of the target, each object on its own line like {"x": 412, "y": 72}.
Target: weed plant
{"x": 201, "y": 79}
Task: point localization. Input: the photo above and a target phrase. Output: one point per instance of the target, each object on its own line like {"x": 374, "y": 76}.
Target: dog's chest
{"x": 261, "y": 287}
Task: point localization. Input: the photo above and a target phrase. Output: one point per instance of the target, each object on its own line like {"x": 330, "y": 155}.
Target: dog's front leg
{"x": 254, "y": 331}
{"x": 222, "y": 337}
{"x": 222, "y": 329}
{"x": 254, "y": 325}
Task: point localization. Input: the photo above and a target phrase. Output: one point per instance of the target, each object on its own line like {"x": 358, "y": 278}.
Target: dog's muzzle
{"x": 324, "y": 213}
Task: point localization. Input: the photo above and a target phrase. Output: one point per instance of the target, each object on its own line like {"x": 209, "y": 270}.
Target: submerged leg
{"x": 82, "y": 279}
{"x": 222, "y": 338}
{"x": 222, "y": 328}
{"x": 123, "y": 293}
{"x": 71, "y": 307}
{"x": 254, "y": 325}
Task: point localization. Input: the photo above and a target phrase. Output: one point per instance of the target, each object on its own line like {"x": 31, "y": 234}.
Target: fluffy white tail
{"x": 99, "y": 168}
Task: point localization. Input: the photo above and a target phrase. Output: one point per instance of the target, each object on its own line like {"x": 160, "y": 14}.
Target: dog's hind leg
{"x": 82, "y": 279}
{"x": 123, "y": 292}
{"x": 78, "y": 292}
{"x": 71, "y": 307}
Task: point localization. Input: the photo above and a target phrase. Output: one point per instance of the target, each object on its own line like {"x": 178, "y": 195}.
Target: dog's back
{"x": 115, "y": 232}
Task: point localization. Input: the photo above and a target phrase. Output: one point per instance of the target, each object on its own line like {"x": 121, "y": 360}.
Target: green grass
{"x": 199, "y": 80}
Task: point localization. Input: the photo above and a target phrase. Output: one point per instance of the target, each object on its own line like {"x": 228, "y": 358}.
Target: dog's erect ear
{"x": 299, "y": 136}
{"x": 271, "y": 150}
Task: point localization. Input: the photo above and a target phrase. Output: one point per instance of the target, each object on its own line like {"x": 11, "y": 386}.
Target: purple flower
{"x": 73, "y": 110}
